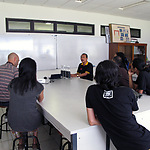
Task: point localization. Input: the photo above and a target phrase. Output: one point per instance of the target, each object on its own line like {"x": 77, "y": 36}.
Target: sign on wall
{"x": 119, "y": 33}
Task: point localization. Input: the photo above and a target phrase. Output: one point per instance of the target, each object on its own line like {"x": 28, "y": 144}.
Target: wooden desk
{"x": 64, "y": 107}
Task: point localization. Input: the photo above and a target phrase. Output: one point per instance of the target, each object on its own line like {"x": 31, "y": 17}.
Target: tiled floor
{"x": 47, "y": 142}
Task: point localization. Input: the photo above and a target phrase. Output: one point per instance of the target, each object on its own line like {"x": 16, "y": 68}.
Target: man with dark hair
{"x": 142, "y": 83}
{"x": 123, "y": 76}
{"x": 85, "y": 69}
{"x": 8, "y": 71}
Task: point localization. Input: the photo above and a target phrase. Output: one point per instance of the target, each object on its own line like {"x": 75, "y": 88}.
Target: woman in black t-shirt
{"x": 113, "y": 108}
{"x": 142, "y": 84}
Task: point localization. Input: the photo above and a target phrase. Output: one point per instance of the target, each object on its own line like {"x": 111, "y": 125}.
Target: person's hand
{"x": 73, "y": 75}
{"x": 130, "y": 73}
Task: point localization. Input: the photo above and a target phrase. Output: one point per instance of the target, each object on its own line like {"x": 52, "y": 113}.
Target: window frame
{"x": 32, "y": 30}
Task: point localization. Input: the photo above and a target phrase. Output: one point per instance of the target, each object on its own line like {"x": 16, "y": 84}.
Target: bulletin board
{"x": 119, "y": 33}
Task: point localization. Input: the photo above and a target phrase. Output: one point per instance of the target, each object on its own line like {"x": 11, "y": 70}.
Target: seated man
{"x": 85, "y": 69}
{"x": 142, "y": 84}
{"x": 8, "y": 71}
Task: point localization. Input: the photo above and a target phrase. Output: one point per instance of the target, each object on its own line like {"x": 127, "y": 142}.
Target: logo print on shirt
{"x": 108, "y": 94}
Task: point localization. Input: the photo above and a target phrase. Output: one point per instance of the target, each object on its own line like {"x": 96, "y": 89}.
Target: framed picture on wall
{"x": 119, "y": 33}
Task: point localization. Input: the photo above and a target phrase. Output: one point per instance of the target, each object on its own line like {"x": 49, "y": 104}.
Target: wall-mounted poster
{"x": 119, "y": 33}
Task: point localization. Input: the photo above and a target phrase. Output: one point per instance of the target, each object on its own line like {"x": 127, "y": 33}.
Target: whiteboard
{"x": 70, "y": 48}
{"x": 42, "y": 48}
{"x": 52, "y": 51}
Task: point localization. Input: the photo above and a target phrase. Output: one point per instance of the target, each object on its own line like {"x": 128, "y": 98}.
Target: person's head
{"x": 125, "y": 62}
{"x": 27, "y": 68}
{"x": 138, "y": 65}
{"x": 118, "y": 60}
{"x": 84, "y": 58}
{"x": 106, "y": 74}
{"x": 27, "y": 76}
{"x": 13, "y": 58}
{"x": 120, "y": 54}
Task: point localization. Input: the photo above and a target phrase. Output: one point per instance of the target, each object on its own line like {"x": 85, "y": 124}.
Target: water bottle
{"x": 68, "y": 72}
{"x": 62, "y": 71}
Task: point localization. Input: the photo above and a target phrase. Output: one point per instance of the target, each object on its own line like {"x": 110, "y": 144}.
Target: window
{"x": 103, "y": 30}
{"x": 65, "y": 28}
{"x": 18, "y": 25}
{"x": 44, "y": 26}
{"x": 136, "y": 33}
{"x": 85, "y": 29}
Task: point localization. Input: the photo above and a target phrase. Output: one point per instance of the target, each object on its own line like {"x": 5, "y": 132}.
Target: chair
{"x": 3, "y": 117}
{"x": 25, "y": 138}
{"x": 62, "y": 145}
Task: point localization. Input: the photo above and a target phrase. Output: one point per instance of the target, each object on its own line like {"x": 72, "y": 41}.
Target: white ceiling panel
{"x": 14, "y": 1}
{"x": 99, "y": 6}
{"x": 33, "y": 2}
{"x": 56, "y": 3}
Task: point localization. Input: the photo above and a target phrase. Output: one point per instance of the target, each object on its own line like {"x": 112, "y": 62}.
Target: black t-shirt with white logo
{"x": 114, "y": 111}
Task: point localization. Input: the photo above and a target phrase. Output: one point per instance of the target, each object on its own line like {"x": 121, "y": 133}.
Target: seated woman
{"x": 112, "y": 107}
{"x": 142, "y": 84}
{"x": 23, "y": 115}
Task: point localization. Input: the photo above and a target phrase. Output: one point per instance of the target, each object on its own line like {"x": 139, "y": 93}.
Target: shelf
{"x": 131, "y": 50}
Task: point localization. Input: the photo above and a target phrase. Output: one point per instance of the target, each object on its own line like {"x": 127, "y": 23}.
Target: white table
{"x": 143, "y": 114}
{"x": 64, "y": 106}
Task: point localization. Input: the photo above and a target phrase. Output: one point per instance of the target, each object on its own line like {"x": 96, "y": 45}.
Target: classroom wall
{"x": 46, "y": 13}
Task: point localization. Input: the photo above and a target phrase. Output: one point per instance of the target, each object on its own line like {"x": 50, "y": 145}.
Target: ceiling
{"x": 97, "y": 6}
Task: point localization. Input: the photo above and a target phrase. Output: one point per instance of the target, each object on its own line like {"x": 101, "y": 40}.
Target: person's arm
{"x": 41, "y": 96}
{"x": 131, "y": 84}
{"x": 76, "y": 74}
{"x": 83, "y": 74}
{"x": 79, "y": 75}
{"x": 91, "y": 117}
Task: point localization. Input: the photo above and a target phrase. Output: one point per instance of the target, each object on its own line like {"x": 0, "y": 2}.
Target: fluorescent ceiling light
{"x": 134, "y": 4}
{"x": 48, "y": 23}
{"x": 80, "y": 1}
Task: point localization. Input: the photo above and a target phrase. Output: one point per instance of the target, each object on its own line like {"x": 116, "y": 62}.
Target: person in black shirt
{"x": 112, "y": 107}
{"x": 85, "y": 69}
{"x": 142, "y": 84}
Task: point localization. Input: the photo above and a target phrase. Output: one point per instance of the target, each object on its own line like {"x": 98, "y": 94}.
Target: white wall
{"x": 45, "y": 13}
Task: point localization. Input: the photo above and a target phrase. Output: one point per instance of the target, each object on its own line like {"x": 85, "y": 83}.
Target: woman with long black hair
{"x": 23, "y": 115}
{"x": 142, "y": 84}
{"x": 112, "y": 106}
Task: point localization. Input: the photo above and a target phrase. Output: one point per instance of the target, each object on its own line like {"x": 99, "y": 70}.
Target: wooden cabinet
{"x": 131, "y": 50}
